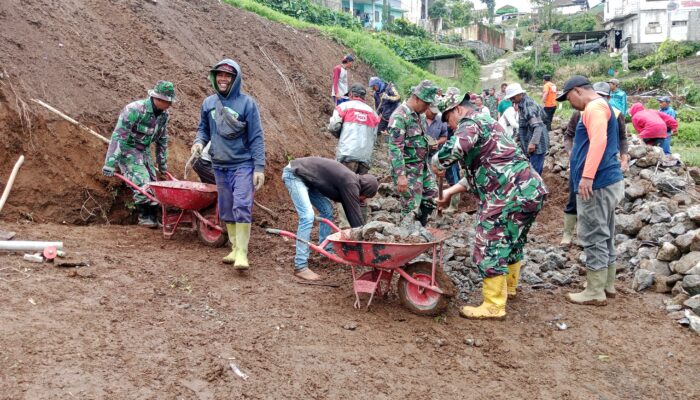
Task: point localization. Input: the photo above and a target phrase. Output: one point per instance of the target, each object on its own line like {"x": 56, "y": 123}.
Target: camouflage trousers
{"x": 422, "y": 189}
{"x": 501, "y": 236}
{"x": 137, "y": 167}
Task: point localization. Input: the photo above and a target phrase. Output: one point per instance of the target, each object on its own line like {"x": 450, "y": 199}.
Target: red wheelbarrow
{"x": 195, "y": 201}
{"x": 423, "y": 287}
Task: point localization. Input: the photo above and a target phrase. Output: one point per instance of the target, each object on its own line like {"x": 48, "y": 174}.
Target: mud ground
{"x": 151, "y": 318}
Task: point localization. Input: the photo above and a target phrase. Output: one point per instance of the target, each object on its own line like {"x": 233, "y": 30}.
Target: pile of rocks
{"x": 545, "y": 266}
{"x": 658, "y": 240}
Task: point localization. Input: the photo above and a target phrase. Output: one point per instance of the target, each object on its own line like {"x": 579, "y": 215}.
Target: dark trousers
{"x": 549, "y": 116}
{"x": 204, "y": 170}
{"x": 537, "y": 162}
{"x": 571, "y": 204}
{"x": 654, "y": 141}
{"x": 452, "y": 174}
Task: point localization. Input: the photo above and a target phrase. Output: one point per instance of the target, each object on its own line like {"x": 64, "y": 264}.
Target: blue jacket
{"x": 670, "y": 112}
{"x": 245, "y": 149}
{"x": 609, "y": 170}
{"x": 386, "y": 106}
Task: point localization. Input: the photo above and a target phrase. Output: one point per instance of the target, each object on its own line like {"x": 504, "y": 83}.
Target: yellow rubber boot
{"x": 242, "y": 239}
{"x": 231, "y": 257}
{"x": 494, "y": 306}
{"x": 512, "y": 279}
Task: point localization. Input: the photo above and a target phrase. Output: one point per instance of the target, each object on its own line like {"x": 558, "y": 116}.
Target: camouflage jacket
{"x": 496, "y": 169}
{"x": 492, "y": 104}
{"x": 408, "y": 139}
{"x": 138, "y": 127}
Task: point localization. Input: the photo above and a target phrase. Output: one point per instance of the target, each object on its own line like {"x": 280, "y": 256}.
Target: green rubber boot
{"x": 569, "y": 227}
{"x": 242, "y": 239}
{"x": 231, "y": 257}
{"x": 594, "y": 293}
{"x": 610, "y": 291}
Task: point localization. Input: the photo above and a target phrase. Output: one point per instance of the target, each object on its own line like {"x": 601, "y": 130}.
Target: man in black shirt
{"x": 316, "y": 182}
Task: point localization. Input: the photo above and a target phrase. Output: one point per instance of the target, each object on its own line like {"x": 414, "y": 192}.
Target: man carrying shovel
{"x": 141, "y": 123}
{"x": 510, "y": 192}
{"x": 231, "y": 121}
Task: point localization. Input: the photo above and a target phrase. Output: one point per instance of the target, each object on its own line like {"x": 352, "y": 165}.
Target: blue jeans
{"x": 537, "y": 162}
{"x": 666, "y": 145}
{"x": 452, "y": 174}
{"x": 304, "y": 199}
{"x": 235, "y": 191}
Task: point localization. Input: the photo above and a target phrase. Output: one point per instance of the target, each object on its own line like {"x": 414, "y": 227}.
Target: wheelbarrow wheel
{"x": 424, "y": 301}
{"x": 209, "y": 236}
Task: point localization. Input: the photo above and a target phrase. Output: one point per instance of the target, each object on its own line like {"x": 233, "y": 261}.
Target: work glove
{"x": 197, "y": 149}
{"x": 385, "y": 96}
{"x": 258, "y": 180}
{"x": 107, "y": 171}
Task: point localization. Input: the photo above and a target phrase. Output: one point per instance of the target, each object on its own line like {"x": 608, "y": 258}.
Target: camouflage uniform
{"x": 510, "y": 192}
{"x": 137, "y": 127}
{"x": 408, "y": 148}
{"x": 492, "y": 104}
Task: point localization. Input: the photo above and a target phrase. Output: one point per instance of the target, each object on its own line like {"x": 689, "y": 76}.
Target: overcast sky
{"x": 521, "y": 5}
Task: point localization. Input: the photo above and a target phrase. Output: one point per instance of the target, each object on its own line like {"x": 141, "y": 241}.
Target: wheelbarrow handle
{"x": 136, "y": 187}
{"x": 317, "y": 248}
{"x": 327, "y": 222}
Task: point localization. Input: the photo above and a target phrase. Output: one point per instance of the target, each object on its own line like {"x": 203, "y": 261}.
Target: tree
{"x": 461, "y": 13}
{"x": 438, "y": 9}
{"x": 545, "y": 12}
{"x": 491, "y": 7}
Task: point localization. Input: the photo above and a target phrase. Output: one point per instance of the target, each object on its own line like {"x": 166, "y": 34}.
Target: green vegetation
{"x": 668, "y": 51}
{"x": 370, "y": 49}
{"x": 403, "y": 27}
{"x": 307, "y": 11}
{"x": 689, "y": 154}
{"x": 595, "y": 66}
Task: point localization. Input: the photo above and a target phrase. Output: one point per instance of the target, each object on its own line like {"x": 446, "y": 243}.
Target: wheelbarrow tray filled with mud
{"x": 185, "y": 202}
{"x": 423, "y": 287}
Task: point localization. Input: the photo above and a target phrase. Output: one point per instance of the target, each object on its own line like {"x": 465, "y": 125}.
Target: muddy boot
{"x": 426, "y": 209}
{"x": 594, "y": 293}
{"x": 454, "y": 204}
{"x": 495, "y": 294}
{"x": 610, "y": 291}
{"x": 231, "y": 257}
{"x": 512, "y": 279}
{"x": 145, "y": 219}
{"x": 242, "y": 239}
{"x": 154, "y": 215}
{"x": 307, "y": 275}
{"x": 569, "y": 227}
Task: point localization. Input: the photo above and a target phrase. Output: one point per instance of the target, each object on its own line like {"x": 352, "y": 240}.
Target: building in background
{"x": 570, "y": 7}
{"x": 644, "y": 24}
{"x": 369, "y": 12}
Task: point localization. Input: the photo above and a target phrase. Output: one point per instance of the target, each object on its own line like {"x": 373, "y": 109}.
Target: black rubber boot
{"x": 426, "y": 209}
{"x": 145, "y": 219}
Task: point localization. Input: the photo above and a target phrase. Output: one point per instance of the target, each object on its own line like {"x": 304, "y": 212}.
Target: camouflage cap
{"x": 449, "y": 100}
{"x": 425, "y": 91}
{"x": 163, "y": 90}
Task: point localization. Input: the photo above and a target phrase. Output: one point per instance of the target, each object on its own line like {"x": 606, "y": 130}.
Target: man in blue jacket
{"x": 386, "y": 100}
{"x": 231, "y": 121}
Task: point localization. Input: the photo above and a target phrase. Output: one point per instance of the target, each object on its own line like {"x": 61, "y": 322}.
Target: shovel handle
{"x": 440, "y": 178}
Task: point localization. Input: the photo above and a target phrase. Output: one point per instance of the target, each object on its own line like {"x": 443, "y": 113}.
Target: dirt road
{"x": 493, "y": 75}
{"x": 164, "y": 319}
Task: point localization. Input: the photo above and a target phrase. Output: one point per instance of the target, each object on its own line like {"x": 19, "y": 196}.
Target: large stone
{"x": 661, "y": 284}
{"x": 558, "y": 278}
{"x": 694, "y": 213}
{"x": 695, "y": 242}
{"x": 693, "y": 303}
{"x": 637, "y": 190}
{"x": 694, "y": 173}
{"x": 628, "y": 224}
{"x": 537, "y": 255}
{"x": 684, "y": 241}
{"x": 653, "y": 232}
{"x": 659, "y": 268}
{"x": 687, "y": 262}
{"x": 650, "y": 159}
{"x": 646, "y": 174}
{"x": 530, "y": 278}
{"x": 668, "y": 252}
{"x": 555, "y": 261}
{"x": 642, "y": 279}
{"x": 390, "y": 204}
{"x": 694, "y": 271}
{"x": 694, "y": 322}
{"x": 659, "y": 213}
{"x": 627, "y": 249}
{"x": 373, "y": 227}
{"x": 638, "y": 151}
{"x": 669, "y": 183}
{"x": 647, "y": 252}
{"x": 691, "y": 284}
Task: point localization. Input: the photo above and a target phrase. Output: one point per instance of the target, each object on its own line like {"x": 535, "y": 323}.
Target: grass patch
{"x": 689, "y": 154}
{"x": 381, "y": 58}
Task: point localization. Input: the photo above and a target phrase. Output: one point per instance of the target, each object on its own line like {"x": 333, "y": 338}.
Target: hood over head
{"x": 636, "y": 107}
{"x": 235, "y": 89}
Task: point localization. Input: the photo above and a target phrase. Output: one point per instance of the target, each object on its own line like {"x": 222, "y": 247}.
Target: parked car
{"x": 586, "y": 47}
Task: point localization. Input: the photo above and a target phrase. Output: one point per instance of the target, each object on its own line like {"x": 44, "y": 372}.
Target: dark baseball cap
{"x": 573, "y": 82}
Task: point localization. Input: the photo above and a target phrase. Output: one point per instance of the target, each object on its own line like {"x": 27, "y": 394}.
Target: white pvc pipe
{"x": 10, "y": 181}
{"x": 28, "y": 245}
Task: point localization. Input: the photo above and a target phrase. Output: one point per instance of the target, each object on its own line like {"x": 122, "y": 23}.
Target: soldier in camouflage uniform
{"x": 409, "y": 146}
{"x": 510, "y": 193}
{"x": 141, "y": 123}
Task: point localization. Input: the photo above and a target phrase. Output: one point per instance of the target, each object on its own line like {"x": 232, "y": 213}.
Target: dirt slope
{"x": 90, "y": 58}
